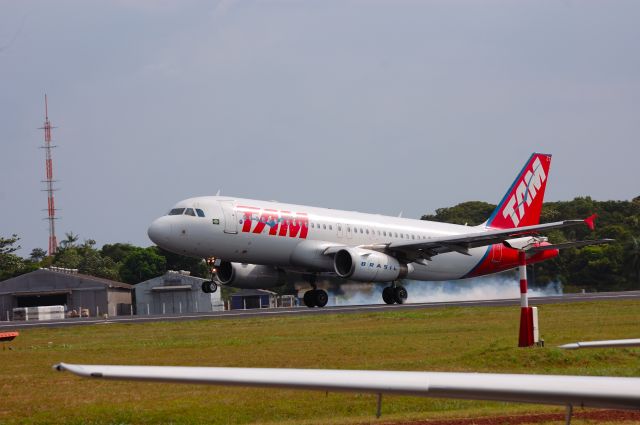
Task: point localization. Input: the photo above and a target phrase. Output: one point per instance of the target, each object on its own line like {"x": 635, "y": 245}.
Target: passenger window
{"x": 190, "y": 212}
{"x": 413, "y": 236}
{"x": 361, "y": 230}
{"x": 199, "y": 212}
{"x": 312, "y": 226}
{"x": 401, "y": 235}
{"x": 331, "y": 228}
{"x": 367, "y": 231}
{"x": 384, "y": 233}
{"x": 324, "y": 227}
{"x": 176, "y": 211}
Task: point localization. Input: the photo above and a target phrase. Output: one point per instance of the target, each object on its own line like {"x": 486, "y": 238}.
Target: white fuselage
{"x": 277, "y": 234}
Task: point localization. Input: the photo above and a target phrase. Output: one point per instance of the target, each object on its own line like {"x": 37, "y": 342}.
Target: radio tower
{"x": 51, "y": 217}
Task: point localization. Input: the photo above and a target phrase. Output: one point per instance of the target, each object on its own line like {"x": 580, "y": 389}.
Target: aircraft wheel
{"x": 209, "y": 287}
{"x": 400, "y": 294}
{"x": 388, "y": 296}
{"x": 321, "y": 297}
{"x": 309, "y": 299}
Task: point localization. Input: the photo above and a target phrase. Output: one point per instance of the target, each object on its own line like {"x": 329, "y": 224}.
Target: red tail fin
{"x": 522, "y": 204}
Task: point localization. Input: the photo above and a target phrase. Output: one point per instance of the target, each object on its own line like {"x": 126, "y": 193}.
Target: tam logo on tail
{"x": 522, "y": 204}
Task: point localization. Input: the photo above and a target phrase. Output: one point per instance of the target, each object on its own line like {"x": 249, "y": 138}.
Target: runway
{"x": 568, "y": 298}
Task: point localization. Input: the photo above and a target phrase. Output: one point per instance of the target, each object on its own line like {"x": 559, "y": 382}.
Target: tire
{"x": 213, "y": 287}
{"x": 321, "y": 297}
{"x": 309, "y": 299}
{"x": 400, "y": 294}
{"x": 205, "y": 287}
{"x": 388, "y": 296}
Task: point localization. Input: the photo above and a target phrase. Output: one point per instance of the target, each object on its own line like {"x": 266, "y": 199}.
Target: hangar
{"x": 66, "y": 287}
{"x": 253, "y": 298}
{"x": 175, "y": 292}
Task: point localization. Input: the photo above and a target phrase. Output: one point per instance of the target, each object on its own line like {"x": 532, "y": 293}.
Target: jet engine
{"x": 249, "y": 276}
{"x": 367, "y": 265}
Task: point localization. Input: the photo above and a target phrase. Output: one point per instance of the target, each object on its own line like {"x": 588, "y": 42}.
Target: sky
{"x": 379, "y": 106}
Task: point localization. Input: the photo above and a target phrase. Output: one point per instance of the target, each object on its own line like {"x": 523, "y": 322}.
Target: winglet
{"x": 591, "y": 221}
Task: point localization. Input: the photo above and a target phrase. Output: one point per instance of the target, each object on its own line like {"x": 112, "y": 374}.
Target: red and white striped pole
{"x": 526, "y": 312}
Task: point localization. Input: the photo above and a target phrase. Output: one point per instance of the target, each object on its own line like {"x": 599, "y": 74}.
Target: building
{"x": 253, "y": 298}
{"x": 175, "y": 293}
{"x": 66, "y": 287}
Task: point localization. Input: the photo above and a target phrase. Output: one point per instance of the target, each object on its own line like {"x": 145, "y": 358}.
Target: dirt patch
{"x": 596, "y": 415}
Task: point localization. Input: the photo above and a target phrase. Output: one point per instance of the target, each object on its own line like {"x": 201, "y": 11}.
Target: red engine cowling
{"x": 367, "y": 266}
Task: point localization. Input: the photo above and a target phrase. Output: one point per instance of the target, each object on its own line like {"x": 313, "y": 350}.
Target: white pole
{"x": 163, "y": 310}
{"x": 131, "y": 309}
{"x": 180, "y": 307}
{"x": 196, "y": 305}
{"x": 147, "y": 309}
{"x": 244, "y": 303}
{"x": 8, "y": 320}
{"x": 97, "y": 311}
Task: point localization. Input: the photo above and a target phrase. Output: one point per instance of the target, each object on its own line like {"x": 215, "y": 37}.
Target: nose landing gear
{"x": 394, "y": 294}
{"x": 210, "y": 286}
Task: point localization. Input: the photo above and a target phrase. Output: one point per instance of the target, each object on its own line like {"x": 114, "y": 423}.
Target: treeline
{"x": 610, "y": 267}
{"x": 120, "y": 261}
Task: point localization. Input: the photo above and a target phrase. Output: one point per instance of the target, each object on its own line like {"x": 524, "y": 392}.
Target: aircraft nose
{"x": 159, "y": 231}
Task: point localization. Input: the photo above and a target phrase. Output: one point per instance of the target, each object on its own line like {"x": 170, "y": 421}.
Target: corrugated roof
{"x": 64, "y": 275}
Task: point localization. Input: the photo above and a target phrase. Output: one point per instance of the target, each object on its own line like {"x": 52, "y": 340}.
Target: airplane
{"x": 584, "y": 391}
{"x": 259, "y": 245}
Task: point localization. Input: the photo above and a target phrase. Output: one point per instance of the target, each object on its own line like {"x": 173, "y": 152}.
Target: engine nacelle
{"x": 367, "y": 265}
{"x": 249, "y": 276}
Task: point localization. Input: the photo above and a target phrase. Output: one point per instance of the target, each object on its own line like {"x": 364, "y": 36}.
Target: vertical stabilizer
{"x": 522, "y": 204}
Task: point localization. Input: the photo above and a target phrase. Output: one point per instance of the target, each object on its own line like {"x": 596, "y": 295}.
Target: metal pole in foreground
{"x": 526, "y": 312}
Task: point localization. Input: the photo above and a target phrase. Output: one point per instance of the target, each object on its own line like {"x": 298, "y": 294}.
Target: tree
{"x": 7, "y": 245}
{"x": 632, "y": 259}
{"x": 471, "y": 213}
{"x": 142, "y": 264}
{"x": 195, "y": 266}
{"x": 69, "y": 241}
{"x": 37, "y": 255}
{"x": 10, "y": 264}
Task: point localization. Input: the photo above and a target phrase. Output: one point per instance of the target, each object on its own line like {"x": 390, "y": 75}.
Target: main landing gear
{"x": 315, "y": 297}
{"x": 394, "y": 294}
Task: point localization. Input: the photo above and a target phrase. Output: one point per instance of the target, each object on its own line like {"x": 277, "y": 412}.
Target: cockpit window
{"x": 176, "y": 211}
{"x": 190, "y": 212}
{"x": 199, "y": 212}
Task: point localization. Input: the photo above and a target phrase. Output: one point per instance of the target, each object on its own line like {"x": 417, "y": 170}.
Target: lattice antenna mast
{"x": 51, "y": 209}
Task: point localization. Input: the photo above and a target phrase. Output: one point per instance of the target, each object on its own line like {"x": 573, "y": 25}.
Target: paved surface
{"x": 568, "y": 298}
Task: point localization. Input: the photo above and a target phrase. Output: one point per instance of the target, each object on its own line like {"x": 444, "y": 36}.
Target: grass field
{"x": 478, "y": 339}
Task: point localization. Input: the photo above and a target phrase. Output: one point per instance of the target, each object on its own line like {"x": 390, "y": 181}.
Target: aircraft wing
{"x": 612, "y": 343}
{"x": 463, "y": 242}
{"x": 588, "y": 391}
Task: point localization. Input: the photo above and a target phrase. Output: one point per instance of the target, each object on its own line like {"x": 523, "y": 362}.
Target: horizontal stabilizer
{"x": 572, "y": 244}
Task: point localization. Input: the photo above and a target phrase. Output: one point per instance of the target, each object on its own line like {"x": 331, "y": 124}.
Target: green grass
{"x": 449, "y": 339}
